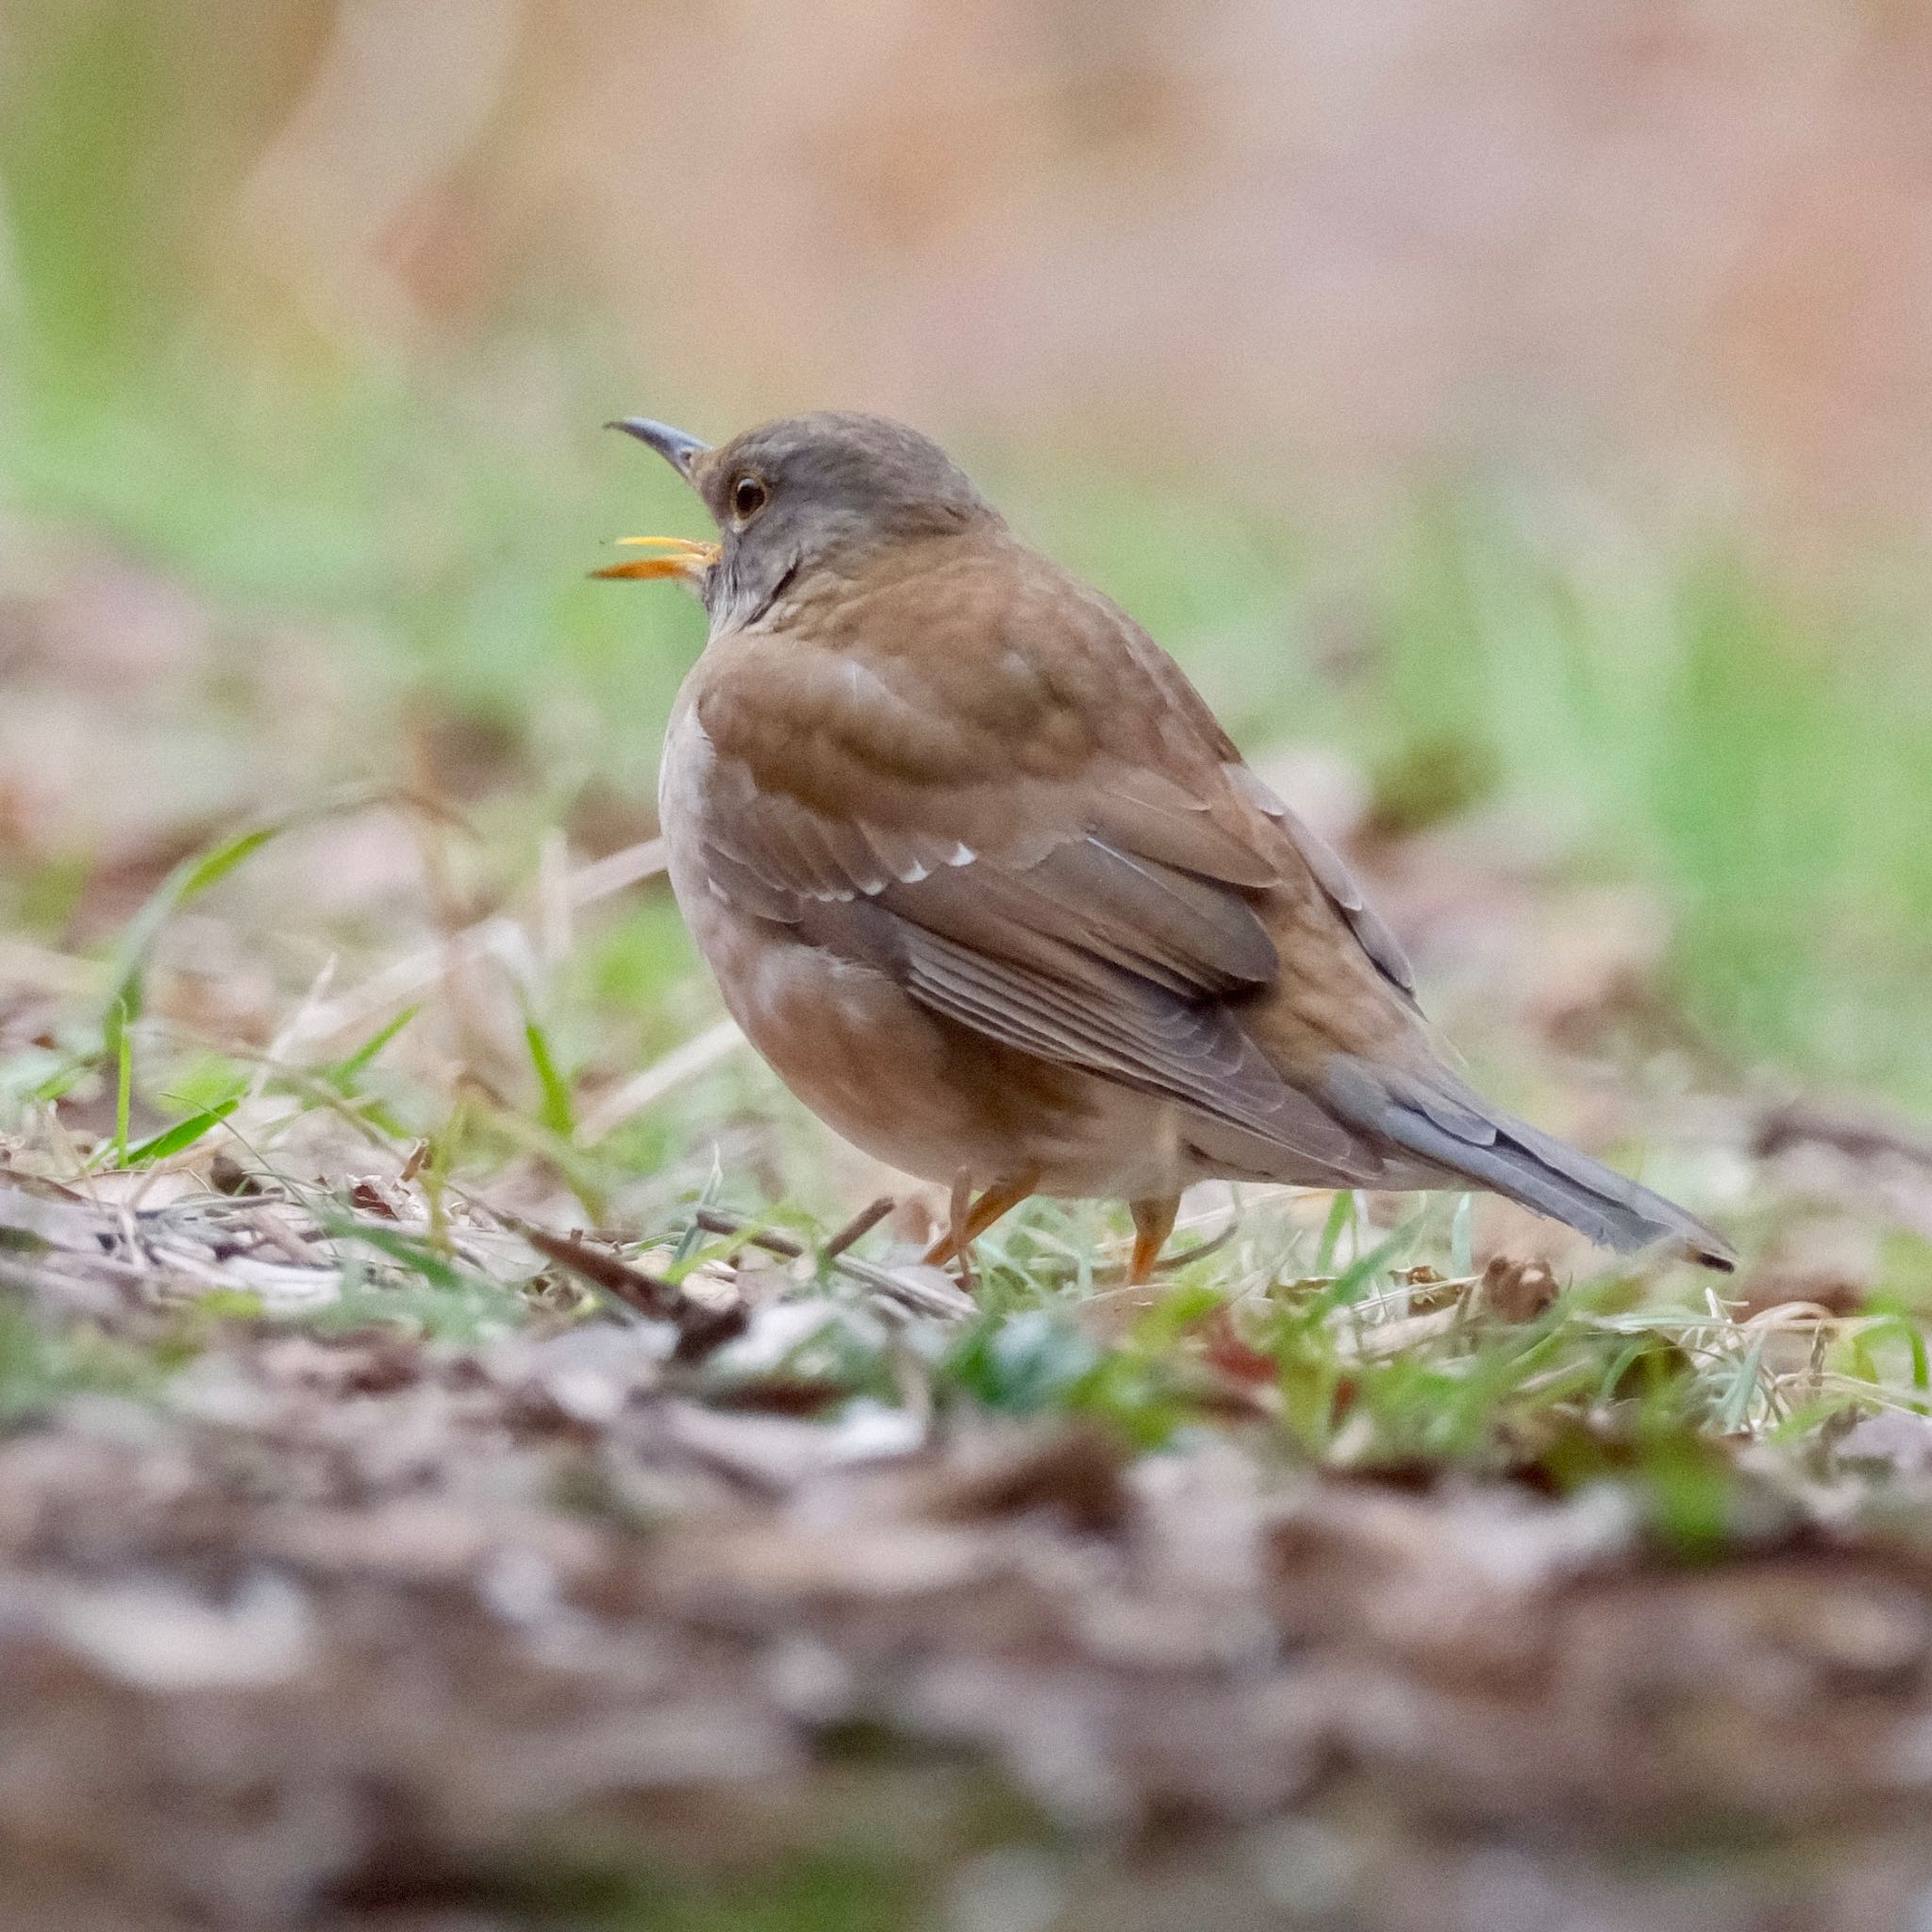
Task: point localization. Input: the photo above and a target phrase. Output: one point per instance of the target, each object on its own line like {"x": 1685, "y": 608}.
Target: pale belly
{"x": 919, "y": 1094}
{"x": 914, "y": 1091}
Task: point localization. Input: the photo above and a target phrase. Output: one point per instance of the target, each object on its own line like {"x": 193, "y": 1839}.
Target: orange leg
{"x": 1152, "y": 1223}
{"x": 971, "y": 1222}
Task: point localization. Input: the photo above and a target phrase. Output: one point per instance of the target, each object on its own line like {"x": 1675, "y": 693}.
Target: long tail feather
{"x": 1446, "y": 1126}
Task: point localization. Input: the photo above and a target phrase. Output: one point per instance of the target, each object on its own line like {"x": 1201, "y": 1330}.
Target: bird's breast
{"x": 688, "y": 798}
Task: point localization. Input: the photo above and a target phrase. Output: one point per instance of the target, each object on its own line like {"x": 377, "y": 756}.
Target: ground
{"x": 472, "y": 1456}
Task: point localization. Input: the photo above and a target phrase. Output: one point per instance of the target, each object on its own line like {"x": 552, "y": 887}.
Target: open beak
{"x": 680, "y": 558}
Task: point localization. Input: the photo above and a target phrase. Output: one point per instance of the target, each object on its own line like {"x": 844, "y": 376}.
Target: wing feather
{"x": 1078, "y": 865}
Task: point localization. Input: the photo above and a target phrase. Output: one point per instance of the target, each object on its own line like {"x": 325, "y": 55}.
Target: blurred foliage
{"x": 308, "y": 312}
{"x": 432, "y": 493}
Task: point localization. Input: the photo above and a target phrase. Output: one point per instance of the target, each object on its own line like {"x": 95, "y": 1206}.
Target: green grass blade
{"x": 124, "y": 1080}
{"x": 182, "y": 1135}
{"x": 347, "y": 1072}
{"x": 1341, "y": 1216}
{"x": 188, "y": 881}
{"x": 556, "y": 1110}
{"x": 1354, "y": 1280}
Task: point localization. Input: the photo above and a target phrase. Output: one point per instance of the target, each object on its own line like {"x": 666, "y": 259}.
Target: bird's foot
{"x": 1152, "y": 1223}
{"x": 971, "y": 1218}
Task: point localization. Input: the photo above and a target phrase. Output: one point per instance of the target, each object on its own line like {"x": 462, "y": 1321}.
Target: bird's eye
{"x": 747, "y": 498}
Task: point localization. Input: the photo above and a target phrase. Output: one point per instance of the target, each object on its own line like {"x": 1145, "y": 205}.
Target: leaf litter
{"x": 346, "y": 1609}
{"x": 431, "y": 1493}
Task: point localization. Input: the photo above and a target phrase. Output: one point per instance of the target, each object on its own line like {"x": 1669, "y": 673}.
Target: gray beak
{"x": 677, "y": 448}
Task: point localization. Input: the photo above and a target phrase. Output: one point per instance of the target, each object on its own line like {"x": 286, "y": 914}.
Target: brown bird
{"x": 985, "y": 881}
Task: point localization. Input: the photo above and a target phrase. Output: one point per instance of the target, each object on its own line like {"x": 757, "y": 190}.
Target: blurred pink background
{"x": 1680, "y": 251}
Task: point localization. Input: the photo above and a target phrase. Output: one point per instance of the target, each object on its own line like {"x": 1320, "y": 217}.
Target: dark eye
{"x": 747, "y": 498}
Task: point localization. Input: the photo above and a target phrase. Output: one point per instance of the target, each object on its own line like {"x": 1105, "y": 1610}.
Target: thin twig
{"x": 857, "y": 1227}
{"x": 722, "y": 1221}
{"x": 700, "y": 1330}
{"x": 925, "y": 1292}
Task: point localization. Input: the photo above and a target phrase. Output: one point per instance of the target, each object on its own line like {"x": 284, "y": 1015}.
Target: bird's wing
{"x": 1054, "y": 847}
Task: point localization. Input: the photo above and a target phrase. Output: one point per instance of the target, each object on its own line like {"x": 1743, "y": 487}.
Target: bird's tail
{"x": 1441, "y": 1122}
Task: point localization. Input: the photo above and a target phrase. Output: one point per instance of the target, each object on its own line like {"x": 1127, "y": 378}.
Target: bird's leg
{"x": 968, "y": 1222}
{"x": 958, "y": 1236}
{"x": 1152, "y": 1223}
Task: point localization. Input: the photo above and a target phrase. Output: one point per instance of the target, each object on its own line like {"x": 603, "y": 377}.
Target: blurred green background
{"x": 1529, "y": 404}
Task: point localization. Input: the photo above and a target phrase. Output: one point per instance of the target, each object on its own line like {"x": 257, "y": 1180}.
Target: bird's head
{"x": 828, "y": 490}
